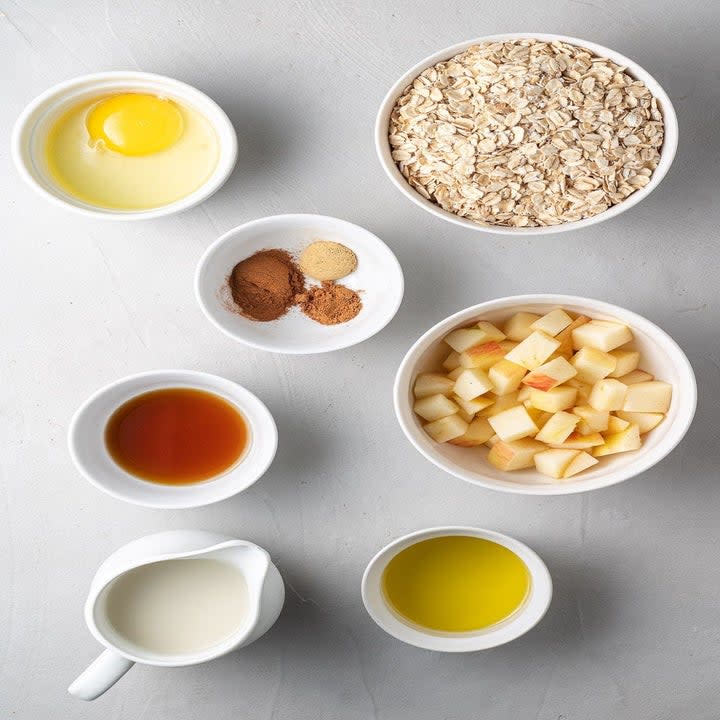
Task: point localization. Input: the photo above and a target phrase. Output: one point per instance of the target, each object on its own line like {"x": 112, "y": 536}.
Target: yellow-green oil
{"x": 456, "y": 583}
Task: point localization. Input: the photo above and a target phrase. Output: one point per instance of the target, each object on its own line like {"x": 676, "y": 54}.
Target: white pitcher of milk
{"x": 177, "y": 598}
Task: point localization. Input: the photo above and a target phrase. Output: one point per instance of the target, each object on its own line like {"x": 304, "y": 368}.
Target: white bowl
{"x": 87, "y": 442}
{"x": 378, "y": 279}
{"x": 523, "y": 619}
{"x": 661, "y": 356}
{"x": 35, "y": 121}
{"x": 667, "y": 154}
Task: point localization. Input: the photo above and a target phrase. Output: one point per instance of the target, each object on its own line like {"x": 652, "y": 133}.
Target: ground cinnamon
{"x": 265, "y": 285}
{"x": 330, "y": 304}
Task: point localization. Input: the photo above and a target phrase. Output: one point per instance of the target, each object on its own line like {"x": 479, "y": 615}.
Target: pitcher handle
{"x": 100, "y": 676}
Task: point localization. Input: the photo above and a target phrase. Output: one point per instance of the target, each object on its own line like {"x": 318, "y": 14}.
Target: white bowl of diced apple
{"x": 545, "y": 394}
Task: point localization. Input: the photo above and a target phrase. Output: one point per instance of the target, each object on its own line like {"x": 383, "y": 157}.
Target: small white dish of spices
{"x": 299, "y": 284}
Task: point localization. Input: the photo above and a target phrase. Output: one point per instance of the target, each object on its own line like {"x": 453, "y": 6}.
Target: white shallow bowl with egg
{"x": 34, "y": 123}
{"x": 660, "y": 355}
{"x": 378, "y": 279}
{"x": 667, "y": 153}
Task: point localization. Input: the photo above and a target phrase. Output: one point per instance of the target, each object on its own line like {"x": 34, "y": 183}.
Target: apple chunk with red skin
{"x": 550, "y": 375}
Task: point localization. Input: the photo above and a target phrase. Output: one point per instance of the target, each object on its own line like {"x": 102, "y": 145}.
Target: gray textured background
{"x": 633, "y": 632}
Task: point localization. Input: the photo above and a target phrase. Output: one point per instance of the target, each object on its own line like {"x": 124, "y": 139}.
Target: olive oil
{"x": 455, "y": 583}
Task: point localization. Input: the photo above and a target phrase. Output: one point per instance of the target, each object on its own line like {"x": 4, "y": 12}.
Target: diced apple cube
{"x": 616, "y": 425}
{"x": 524, "y": 393}
{"x": 636, "y": 376}
{"x": 550, "y": 375}
{"x": 628, "y": 439}
{"x": 446, "y": 428}
{"x": 645, "y": 421}
{"x": 565, "y": 337}
{"x": 455, "y": 374}
{"x": 515, "y": 455}
{"x": 559, "y": 398}
{"x": 452, "y": 361}
{"x": 576, "y": 441}
{"x": 471, "y": 407}
{"x": 580, "y": 462}
{"x": 518, "y": 326}
{"x": 502, "y": 403}
{"x": 558, "y": 427}
{"x": 607, "y": 394}
{"x": 463, "y": 338}
{"x": 653, "y": 396}
{"x": 435, "y": 407}
{"x": 539, "y": 417}
{"x": 583, "y": 390}
{"x": 506, "y": 376}
{"x": 555, "y": 462}
{"x": 602, "y": 335}
{"x": 471, "y": 383}
{"x": 597, "y": 420}
{"x": 491, "y": 332}
{"x": 427, "y": 384}
{"x": 513, "y": 424}
{"x": 479, "y": 432}
{"x": 482, "y": 356}
{"x": 625, "y": 362}
{"x": 533, "y": 351}
{"x": 553, "y": 323}
{"x": 592, "y": 365}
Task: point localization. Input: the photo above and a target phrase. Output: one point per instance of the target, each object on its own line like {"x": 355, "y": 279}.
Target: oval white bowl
{"x": 36, "y": 119}
{"x": 661, "y": 356}
{"x": 378, "y": 278}
{"x": 86, "y": 441}
{"x": 667, "y": 154}
{"x": 521, "y": 621}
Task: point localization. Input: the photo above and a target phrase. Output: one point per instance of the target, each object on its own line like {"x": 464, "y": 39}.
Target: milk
{"x": 177, "y": 607}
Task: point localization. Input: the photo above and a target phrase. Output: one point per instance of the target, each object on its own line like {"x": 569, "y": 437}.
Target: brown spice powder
{"x": 265, "y": 285}
{"x": 330, "y": 304}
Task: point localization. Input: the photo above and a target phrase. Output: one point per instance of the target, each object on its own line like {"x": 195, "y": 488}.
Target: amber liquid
{"x": 176, "y": 436}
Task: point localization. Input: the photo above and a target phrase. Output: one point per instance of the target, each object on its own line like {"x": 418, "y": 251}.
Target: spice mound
{"x": 330, "y": 304}
{"x": 324, "y": 260}
{"x": 526, "y": 133}
{"x": 265, "y": 285}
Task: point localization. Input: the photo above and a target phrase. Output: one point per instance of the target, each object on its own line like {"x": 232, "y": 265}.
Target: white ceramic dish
{"x": 667, "y": 154}
{"x": 523, "y": 619}
{"x": 661, "y": 356}
{"x": 378, "y": 278}
{"x": 31, "y": 128}
{"x": 87, "y": 443}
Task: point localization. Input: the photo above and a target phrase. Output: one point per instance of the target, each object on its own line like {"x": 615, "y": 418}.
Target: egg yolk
{"x": 135, "y": 124}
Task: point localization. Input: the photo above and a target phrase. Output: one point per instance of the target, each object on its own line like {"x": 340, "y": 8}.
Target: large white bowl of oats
{"x": 526, "y": 133}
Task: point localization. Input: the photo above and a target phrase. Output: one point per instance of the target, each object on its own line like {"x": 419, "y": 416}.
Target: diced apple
{"x": 645, "y": 421}
{"x": 506, "y": 376}
{"x": 518, "y": 326}
{"x": 446, "y": 428}
{"x": 539, "y": 417}
{"x": 482, "y": 356}
{"x": 576, "y": 441}
{"x": 653, "y": 396}
{"x": 515, "y": 455}
{"x": 607, "y": 394}
{"x": 616, "y": 425}
{"x": 580, "y": 462}
{"x": 455, "y": 374}
{"x": 602, "y": 335}
{"x": 625, "y": 362}
{"x": 597, "y": 420}
{"x": 502, "y": 403}
{"x": 555, "y": 462}
{"x": 583, "y": 390}
{"x": 452, "y": 361}
{"x": 592, "y": 365}
{"x": 479, "y": 432}
{"x": 636, "y": 376}
{"x": 491, "y": 442}
{"x": 559, "y": 398}
{"x": 435, "y": 407}
{"x": 471, "y": 407}
{"x": 628, "y": 439}
{"x": 463, "y": 338}
{"x": 471, "y": 383}
{"x": 427, "y": 384}
{"x": 550, "y": 375}
{"x": 558, "y": 427}
{"x": 533, "y": 351}
{"x": 582, "y": 428}
{"x": 491, "y": 332}
{"x": 524, "y": 393}
{"x": 553, "y": 323}
{"x": 565, "y": 337}
{"x": 513, "y": 424}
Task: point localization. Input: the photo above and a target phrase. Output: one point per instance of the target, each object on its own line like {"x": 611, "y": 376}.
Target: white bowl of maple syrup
{"x": 172, "y": 439}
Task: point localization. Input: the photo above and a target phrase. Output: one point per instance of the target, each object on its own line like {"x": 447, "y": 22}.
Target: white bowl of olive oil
{"x": 456, "y": 589}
